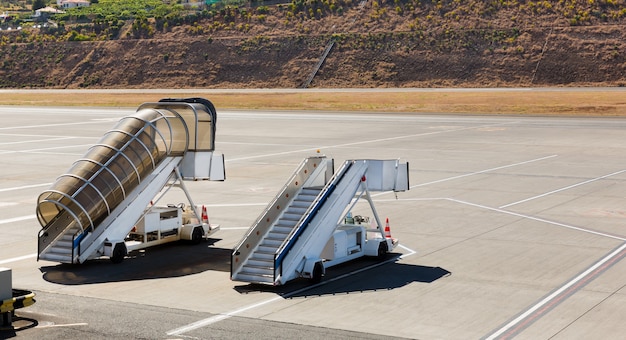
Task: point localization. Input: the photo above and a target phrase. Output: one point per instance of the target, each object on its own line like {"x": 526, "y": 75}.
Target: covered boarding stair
{"x": 107, "y": 191}
{"x": 303, "y": 230}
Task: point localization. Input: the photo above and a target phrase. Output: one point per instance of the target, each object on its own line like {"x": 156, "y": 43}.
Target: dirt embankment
{"x": 372, "y": 48}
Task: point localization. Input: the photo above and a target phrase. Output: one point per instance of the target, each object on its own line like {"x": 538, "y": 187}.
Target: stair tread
{"x": 270, "y": 276}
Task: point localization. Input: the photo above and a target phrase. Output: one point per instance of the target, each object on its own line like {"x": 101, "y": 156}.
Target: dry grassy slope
{"x": 464, "y": 51}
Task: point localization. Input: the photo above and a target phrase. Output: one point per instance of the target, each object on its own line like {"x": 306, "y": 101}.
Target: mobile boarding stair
{"x": 308, "y": 226}
{"x": 89, "y": 211}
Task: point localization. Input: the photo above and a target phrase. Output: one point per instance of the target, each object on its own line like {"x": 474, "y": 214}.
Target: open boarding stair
{"x": 91, "y": 209}
{"x": 302, "y": 231}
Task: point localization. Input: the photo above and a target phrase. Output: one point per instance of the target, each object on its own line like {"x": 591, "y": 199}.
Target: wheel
{"x": 119, "y": 252}
{"x": 382, "y": 250}
{"x": 318, "y": 270}
{"x": 196, "y": 235}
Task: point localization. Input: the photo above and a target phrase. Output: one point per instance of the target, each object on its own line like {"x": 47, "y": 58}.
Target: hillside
{"x": 391, "y": 43}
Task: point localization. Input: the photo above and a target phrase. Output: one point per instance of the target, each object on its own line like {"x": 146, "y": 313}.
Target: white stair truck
{"x": 105, "y": 205}
{"x": 308, "y": 227}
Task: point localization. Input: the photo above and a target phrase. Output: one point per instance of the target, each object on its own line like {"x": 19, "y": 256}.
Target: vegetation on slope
{"x": 377, "y": 43}
{"x": 104, "y": 19}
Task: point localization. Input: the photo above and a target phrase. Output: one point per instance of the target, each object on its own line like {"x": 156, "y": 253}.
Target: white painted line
{"x": 113, "y": 119}
{"x": 272, "y": 154}
{"x": 17, "y": 219}
{"x": 26, "y": 187}
{"x": 224, "y": 316}
{"x": 471, "y": 174}
{"x": 235, "y": 205}
{"x": 40, "y": 136}
{"x": 554, "y": 294}
{"x": 19, "y": 258}
{"x": 47, "y": 125}
{"x": 539, "y": 219}
{"x": 219, "y": 317}
{"x": 260, "y": 144}
{"x": 64, "y": 325}
{"x": 483, "y": 171}
{"x": 562, "y": 189}
{"x": 43, "y": 150}
{"x": 36, "y": 140}
{"x": 543, "y": 220}
{"x": 365, "y": 142}
{"x": 410, "y": 251}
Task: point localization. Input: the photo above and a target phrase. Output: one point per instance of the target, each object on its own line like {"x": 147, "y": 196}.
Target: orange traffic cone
{"x": 387, "y": 229}
{"x": 205, "y": 216}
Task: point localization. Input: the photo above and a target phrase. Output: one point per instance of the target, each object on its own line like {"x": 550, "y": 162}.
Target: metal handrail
{"x": 265, "y": 221}
{"x": 304, "y": 221}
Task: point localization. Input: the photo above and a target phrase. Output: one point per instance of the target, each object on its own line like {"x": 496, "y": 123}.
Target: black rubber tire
{"x": 318, "y": 270}
{"x": 119, "y": 252}
{"x": 382, "y": 250}
{"x": 196, "y": 235}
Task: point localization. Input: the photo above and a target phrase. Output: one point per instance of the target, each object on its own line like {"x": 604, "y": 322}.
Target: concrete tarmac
{"x": 513, "y": 228}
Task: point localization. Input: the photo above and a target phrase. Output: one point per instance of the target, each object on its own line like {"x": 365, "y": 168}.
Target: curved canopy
{"x": 124, "y": 156}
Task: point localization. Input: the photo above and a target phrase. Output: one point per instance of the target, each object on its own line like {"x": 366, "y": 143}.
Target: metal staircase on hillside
{"x": 260, "y": 265}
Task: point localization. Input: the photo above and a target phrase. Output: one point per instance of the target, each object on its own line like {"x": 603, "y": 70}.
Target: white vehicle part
{"x": 105, "y": 193}
{"x": 302, "y": 221}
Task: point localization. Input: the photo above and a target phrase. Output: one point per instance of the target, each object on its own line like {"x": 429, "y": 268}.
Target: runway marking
{"x": 234, "y": 205}
{"x": 538, "y": 219}
{"x": 367, "y": 142}
{"x": 548, "y": 303}
{"x": 36, "y": 140}
{"x": 545, "y": 305}
{"x": 48, "y": 125}
{"x": 17, "y": 219}
{"x": 25, "y": 187}
{"x": 19, "y": 258}
{"x": 224, "y": 316}
{"x": 33, "y": 135}
{"x": 483, "y": 171}
{"x": 471, "y": 174}
{"x": 410, "y": 251}
{"x": 563, "y": 189}
{"x": 64, "y": 325}
{"x": 41, "y": 150}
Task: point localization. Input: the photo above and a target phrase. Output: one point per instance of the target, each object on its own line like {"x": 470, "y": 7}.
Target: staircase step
{"x": 269, "y": 249}
{"x": 282, "y": 229}
{"x": 261, "y": 262}
{"x": 277, "y": 235}
{"x": 259, "y": 267}
{"x": 286, "y": 224}
{"x": 297, "y": 210}
{"x": 64, "y": 244}
{"x": 305, "y": 198}
{"x": 311, "y": 191}
{"x": 55, "y": 257}
{"x": 251, "y": 277}
{"x": 257, "y": 270}
{"x": 266, "y": 255}
{"x": 290, "y": 217}
{"x": 270, "y": 242}
{"x": 61, "y": 246}
{"x": 301, "y": 204}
